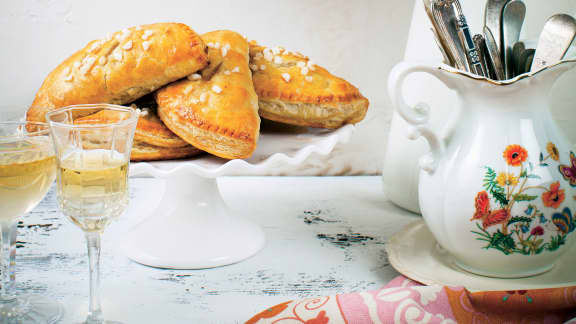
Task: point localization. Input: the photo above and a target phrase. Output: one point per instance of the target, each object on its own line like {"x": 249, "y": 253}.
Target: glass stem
{"x": 8, "y": 261}
{"x": 95, "y": 309}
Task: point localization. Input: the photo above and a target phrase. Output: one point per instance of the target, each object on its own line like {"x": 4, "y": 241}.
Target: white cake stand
{"x": 192, "y": 227}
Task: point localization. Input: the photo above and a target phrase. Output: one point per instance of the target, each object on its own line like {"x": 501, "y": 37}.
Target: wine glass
{"x": 27, "y": 170}
{"x": 93, "y": 144}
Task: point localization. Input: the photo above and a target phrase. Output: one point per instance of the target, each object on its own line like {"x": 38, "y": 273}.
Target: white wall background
{"x": 359, "y": 40}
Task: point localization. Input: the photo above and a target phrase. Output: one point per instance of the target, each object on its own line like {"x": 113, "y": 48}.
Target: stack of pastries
{"x": 198, "y": 93}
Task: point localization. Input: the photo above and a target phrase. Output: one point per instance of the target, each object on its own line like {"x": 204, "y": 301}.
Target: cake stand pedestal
{"x": 192, "y": 228}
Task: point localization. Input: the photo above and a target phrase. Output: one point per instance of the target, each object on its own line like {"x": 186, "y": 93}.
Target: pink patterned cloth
{"x": 406, "y": 301}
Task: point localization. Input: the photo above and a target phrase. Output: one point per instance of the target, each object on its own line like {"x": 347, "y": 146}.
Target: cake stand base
{"x": 192, "y": 228}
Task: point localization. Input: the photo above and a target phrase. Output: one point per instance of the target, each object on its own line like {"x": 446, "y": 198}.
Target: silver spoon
{"x": 526, "y": 59}
{"x": 494, "y": 54}
{"x": 512, "y": 20}
{"x": 493, "y": 19}
{"x": 517, "y": 50}
{"x": 555, "y": 39}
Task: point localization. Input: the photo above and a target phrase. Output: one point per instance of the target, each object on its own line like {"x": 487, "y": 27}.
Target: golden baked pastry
{"x": 293, "y": 90}
{"x": 217, "y": 110}
{"x": 149, "y": 130}
{"x": 145, "y": 152}
{"x": 122, "y": 67}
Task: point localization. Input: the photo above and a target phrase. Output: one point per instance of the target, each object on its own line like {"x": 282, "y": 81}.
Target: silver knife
{"x": 494, "y": 54}
{"x": 480, "y": 43}
{"x": 440, "y": 41}
{"x": 445, "y": 15}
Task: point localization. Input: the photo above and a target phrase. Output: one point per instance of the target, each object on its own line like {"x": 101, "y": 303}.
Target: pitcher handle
{"x": 419, "y": 115}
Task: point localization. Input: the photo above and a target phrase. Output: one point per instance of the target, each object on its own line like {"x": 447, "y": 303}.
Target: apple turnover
{"x": 152, "y": 140}
{"x": 150, "y": 129}
{"x": 216, "y": 110}
{"x": 293, "y": 90}
{"x": 142, "y": 151}
{"x": 122, "y": 67}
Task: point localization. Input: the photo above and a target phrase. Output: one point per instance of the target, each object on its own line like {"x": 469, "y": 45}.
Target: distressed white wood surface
{"x": 324, "y": 236}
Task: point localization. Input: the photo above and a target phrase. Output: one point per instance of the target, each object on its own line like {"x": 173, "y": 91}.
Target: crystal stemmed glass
{"x": 92, "y": 144}
{"x": 27, "y": 170}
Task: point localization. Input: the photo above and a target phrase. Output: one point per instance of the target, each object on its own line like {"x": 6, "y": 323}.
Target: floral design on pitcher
{"x": 525, "y": 230}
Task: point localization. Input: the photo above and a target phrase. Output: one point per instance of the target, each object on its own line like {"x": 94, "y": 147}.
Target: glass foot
{"x": 31, "y": 310}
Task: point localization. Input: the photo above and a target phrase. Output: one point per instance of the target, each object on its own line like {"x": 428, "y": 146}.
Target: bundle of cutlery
{"x": 497, "y": 52}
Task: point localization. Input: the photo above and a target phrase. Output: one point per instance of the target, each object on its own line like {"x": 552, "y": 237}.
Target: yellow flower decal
{"x": 507, "y": 179}
{"x": 553, "y": 151}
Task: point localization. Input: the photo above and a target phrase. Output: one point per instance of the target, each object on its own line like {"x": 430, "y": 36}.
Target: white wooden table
{"x": 324, "y": 236}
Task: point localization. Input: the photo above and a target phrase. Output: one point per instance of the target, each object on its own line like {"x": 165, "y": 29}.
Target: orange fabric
{"x": 407, "y": 301}
{"x": 520, "y": 306}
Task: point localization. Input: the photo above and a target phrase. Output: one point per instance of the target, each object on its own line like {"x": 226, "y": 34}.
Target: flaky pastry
{"x": 149, "y": 130}
{"x": 293, "y": 90}
{"x": 122, "y": 67}
{"x": 145, "y": 152}
{"x": 216, "y": 110}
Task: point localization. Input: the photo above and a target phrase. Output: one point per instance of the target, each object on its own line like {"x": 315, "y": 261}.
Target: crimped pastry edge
{"x": 217, "y": 141}
{"x": 145, "y": 152}
{"x": 322, "y": 116}
{"x": 148, "y": 137}
{"x": 326, "y": 100}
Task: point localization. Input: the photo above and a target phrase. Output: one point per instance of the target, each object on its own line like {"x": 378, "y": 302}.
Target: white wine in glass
{"x": 93, "y": 144}
{"x": 27, "y": 170}
{"x": 93, "y": 189}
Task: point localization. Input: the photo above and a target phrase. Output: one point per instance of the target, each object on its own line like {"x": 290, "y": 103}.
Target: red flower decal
{"x": 537, "y": 231}
{"x": 515, "y": 155}
{"x": 554, "y": 196}
{"x": 482, "y": 203}
{"x": 499, "y": 216}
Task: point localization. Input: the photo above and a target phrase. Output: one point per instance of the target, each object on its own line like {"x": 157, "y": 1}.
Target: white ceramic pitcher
{"x": 400, "y": 170}
{"x": 499, "y": 192}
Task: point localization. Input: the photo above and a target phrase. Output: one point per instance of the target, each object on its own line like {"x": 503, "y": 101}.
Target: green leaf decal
{"x": 490, "y": 176}
{"x": 514, "y": 220}
{"x": 524, "y": 197}
{"x": 494, "y": 188}
{"x": 504, "y": 243}
{"x": 501, "y": 197}
{"x": 556, "y": 242}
